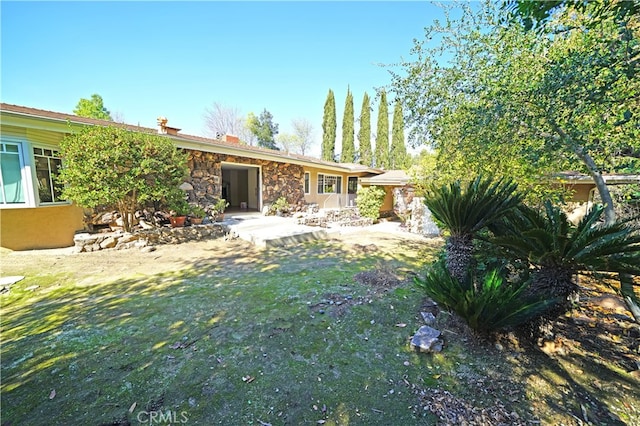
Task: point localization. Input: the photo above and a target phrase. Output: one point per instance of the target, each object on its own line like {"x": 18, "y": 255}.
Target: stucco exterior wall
{"x": 40, "y": 228}
{"x": 581, "y": 192}
{"x": 327, "y": 201}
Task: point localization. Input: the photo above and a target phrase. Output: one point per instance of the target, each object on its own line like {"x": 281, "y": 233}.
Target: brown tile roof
{"x": 58, "y": 116}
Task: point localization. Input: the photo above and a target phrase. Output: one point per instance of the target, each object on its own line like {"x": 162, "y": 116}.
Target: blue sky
{"x": 175, "y": 59}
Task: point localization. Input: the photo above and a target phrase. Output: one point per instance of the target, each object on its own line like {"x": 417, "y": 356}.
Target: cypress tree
{"x": 364, "y": 133}
{"x": 382, "y": 137}
{"x": 348, "y": 146}
{"x": 329, "y": 128}
{"x": 398, "y": 157}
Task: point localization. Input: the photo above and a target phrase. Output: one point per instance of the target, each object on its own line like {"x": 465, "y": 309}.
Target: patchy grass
{"x": 240, "y": 336}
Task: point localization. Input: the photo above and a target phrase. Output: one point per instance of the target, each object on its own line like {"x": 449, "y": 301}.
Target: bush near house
{"x": 369, "y": 200}
{"x": 115, "y": 166}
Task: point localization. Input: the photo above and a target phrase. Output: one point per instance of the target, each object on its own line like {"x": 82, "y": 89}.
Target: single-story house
{"x": 33, "y": 216}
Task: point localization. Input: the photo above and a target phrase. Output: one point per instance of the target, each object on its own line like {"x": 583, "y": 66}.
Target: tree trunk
{"x": 626, "y": 281}
{"x": 603, "y": 189}
{"x": 459, "y": 256}
{"x": 594, "y": 172}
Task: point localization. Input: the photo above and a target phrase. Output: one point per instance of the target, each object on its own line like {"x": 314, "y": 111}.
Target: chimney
{"x": 231, "y": 138}
{"x": 163, "y": 129}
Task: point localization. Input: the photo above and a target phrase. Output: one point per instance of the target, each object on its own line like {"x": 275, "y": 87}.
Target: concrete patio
{"x": 275, "y": 231}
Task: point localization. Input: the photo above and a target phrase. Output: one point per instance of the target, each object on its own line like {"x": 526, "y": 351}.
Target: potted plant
{"x": 218, "y": 209}
{"x": 178, "y": 214}
{"x": 197, "y": 215}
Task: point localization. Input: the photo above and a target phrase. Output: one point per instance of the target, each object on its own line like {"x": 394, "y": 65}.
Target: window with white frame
{"x": 329, "y": 184}
{"x": 48, "y": 164}
{"x": 11, "y": 162}
{"x": 307, "y": 182}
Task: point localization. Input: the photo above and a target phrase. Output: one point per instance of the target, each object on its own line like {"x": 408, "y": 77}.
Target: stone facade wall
{"x": 204, "y": 185}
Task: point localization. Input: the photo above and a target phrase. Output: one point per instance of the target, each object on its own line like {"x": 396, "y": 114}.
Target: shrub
{"x": 558, "y": 249}
{"x": 369, "y": 201}
{"x": 280, "y": 205}
{"x": 115, "y": 166}
{"x": 465, "y": 211}
{"x": 490, "y": 305}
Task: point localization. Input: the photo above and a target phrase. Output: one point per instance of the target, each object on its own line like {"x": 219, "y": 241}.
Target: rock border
{"x": 119, "y": 240}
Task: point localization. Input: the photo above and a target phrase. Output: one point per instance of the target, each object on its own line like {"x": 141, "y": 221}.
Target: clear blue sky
{"x": 175, "y": 59}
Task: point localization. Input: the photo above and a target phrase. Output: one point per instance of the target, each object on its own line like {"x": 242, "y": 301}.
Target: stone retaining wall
{"x": 86, "y": 242}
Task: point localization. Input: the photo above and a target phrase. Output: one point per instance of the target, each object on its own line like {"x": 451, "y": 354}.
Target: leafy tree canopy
{"x": 264, "y": 129}
{"x": 92, "y": 108}
{"x": 535, "y": 14}
{"x": 507, "y": 102}
{"x": 117, "y": 167}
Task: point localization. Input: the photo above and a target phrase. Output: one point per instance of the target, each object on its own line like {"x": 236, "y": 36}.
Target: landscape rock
{"x": 108, "y": 243}
{"x": 428, "y": 318}
{"x": 427, "y": 339}
{"x": 86, "y": 242}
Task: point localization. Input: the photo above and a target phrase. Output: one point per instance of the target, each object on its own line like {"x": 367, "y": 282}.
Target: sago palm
{"x": 466, "y": 211}
{"x": 493, "y": 304}
{"x": 558, "y": 250}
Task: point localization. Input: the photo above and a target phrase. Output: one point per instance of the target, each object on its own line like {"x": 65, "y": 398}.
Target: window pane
{"x": 44, "y": 183}
{"x": 320, "y": 184}
{"x": 48, "y": 165}
{"x": 10, "y": 148}
{"x": 306, "y": 183}
{"x": 56, "y": 165}
{"x": 11, "y": 177}
{"x": 352, "y": 185}
{"x": 339, "y": 184}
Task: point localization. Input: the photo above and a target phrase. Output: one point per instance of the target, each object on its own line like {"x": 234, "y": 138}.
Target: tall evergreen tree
{"x": 348, "y": 147}
{"x": 398, "y": 156}
{"x": 329, "y": 128}
{"x": 364, "y": 133}
{"x": 382, "y": 137}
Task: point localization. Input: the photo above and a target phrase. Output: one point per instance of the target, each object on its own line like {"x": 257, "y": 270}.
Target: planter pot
{"x": 177, "y": 221}
{"x": 219, "y": 217}
{"x": 196, "y": 220}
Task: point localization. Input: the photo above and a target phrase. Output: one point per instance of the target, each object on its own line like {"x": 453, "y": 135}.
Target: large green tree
{"x": 382, "y": 135}
{"x": 525, "y": 105}
{"x": 264, "y": 129}
{"x": 398, "y": 158}
{"x": 92, "y": 108}
{"x": 116, "y": 167}
{"x": 511, "y": 103}
{"x": 364, "y": 132}
{"x": 348, "y": 146}
{"x": 329, "y": 128}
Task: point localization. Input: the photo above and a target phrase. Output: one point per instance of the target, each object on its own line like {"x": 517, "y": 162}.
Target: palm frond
{"x": 495, "y": 304}
{"x": 466, "y": 211}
